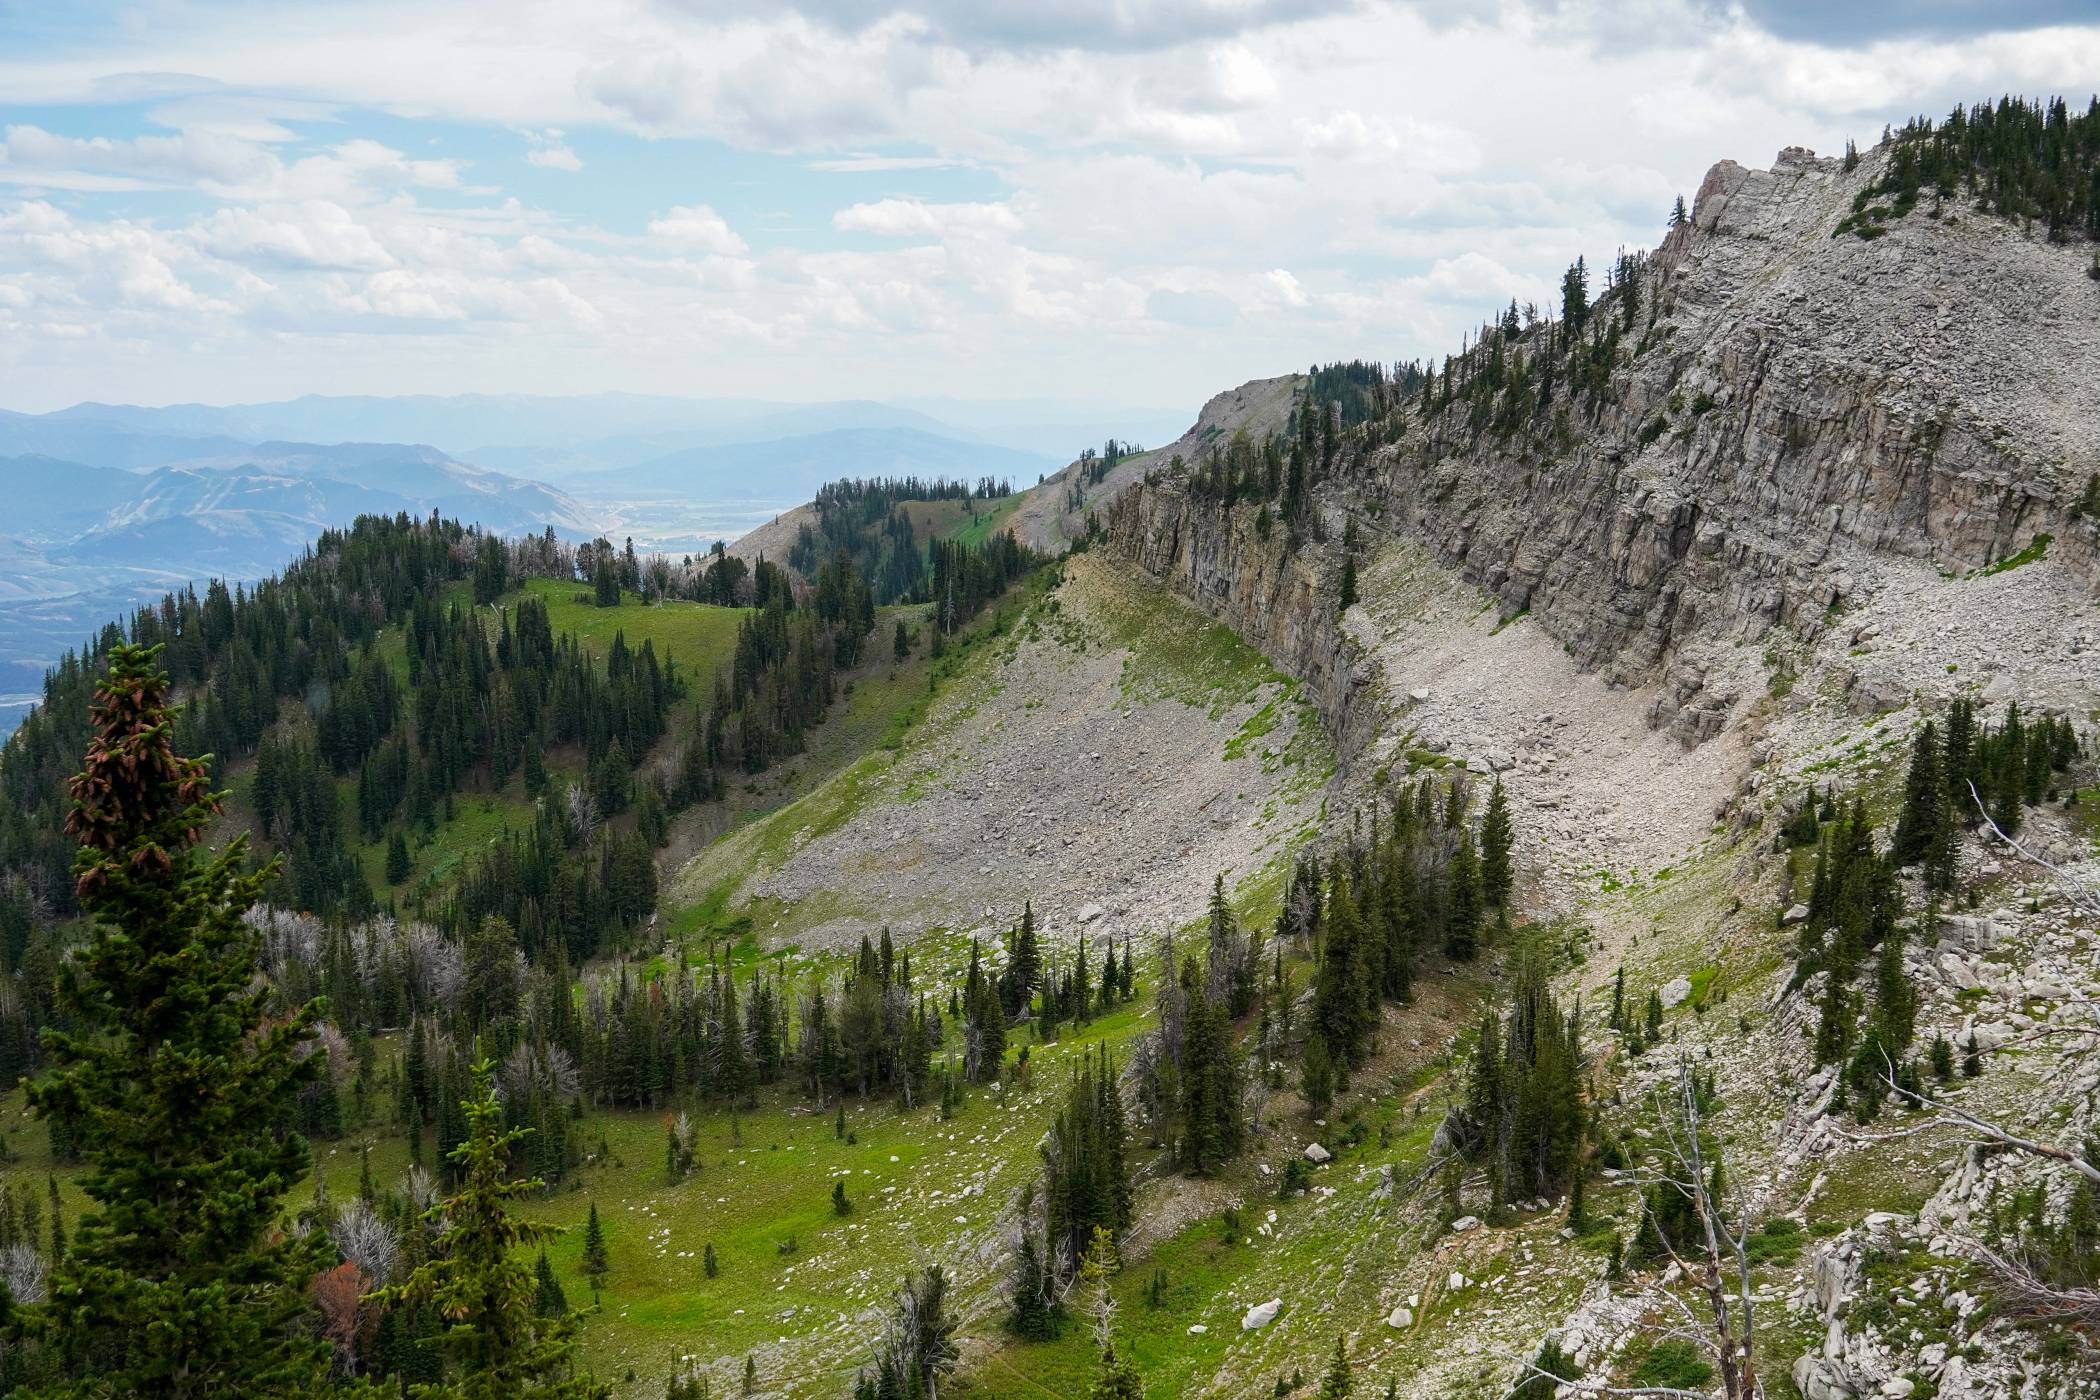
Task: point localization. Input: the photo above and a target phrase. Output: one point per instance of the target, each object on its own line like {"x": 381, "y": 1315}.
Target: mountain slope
{"x": 1796, "y": 515}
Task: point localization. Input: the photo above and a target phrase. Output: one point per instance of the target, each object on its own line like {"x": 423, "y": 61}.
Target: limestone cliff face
{"x": 1278, "y": 598}
{"x": 1788, "y": 409}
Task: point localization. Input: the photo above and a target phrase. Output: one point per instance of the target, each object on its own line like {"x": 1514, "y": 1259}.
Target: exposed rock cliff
{"x": 1792, "y": 410}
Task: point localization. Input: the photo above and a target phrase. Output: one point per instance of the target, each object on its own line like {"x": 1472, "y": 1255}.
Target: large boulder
{"x": 1968, "y": 933}
{"x": 1261, "y": 1315}
{"x": 1820, "y": 1379}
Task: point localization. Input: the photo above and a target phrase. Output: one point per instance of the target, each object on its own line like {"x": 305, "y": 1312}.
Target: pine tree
{"x": 1578, "y": 1205}
{"x": 1462, "y": 911}
{"x": 597, "y": 1262}
{"x": 1925, "y": 830}
{"x": 1678, "y": 218}
{"x": 1348, "y": 600}
{"x": 1086, "y": 1178}
{"x": 1033, "y": 1318}
{"x": 709, "y": 1265}
{"x": 172, "y": 1081}
{"x": 1210, "y": 1081}
{"x": 398, "y": 864}
{"x": 839, "y": 1204}
{"x": 1551, "y": 1367}
{"x": 58, "y": 1226}
{"x": 494, "y": 1348}
{"x": 1316, "y": 1077}
{"x": 1496, "y": 841}
{"x": 548, "y": 1300}
{"x": 1340, "y": 1381}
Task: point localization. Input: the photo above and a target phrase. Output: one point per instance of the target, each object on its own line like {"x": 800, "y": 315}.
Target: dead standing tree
{"x": 1713, "y": 1255}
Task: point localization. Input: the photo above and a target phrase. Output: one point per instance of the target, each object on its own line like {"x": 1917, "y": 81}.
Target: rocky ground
{"x": 1107, "y": 788}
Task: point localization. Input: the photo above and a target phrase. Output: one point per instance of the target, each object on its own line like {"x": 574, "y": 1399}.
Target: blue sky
{"x": 1096, "y": 199}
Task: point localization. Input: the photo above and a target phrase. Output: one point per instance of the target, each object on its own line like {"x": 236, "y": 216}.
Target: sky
{"x": 1138, "y": 201}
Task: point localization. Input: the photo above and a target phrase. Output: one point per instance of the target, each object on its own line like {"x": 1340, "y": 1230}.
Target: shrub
{"x": 1675, "y": 1363}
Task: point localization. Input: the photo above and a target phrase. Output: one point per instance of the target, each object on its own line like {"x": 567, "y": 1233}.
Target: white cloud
{"x": 697, "y": 227}
{"x": 1304, "y": 181}
{"x": 1240, "y": 78}
{"x": 916, "y": 217}
{"x": 1480, "y": 283}
{"x": 555, "y": 157}
{"x": 30, "y": 153}
{"x": 878, "y": 164}
{"x": 547, "y": 150}
{"x": 315, "y": 234}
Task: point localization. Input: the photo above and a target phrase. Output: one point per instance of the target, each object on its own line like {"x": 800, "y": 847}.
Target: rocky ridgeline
{"x": 1801, "y": 407}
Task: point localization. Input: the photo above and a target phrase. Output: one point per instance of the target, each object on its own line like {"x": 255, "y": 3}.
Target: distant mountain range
{"x": 567, "y": 439}
{"x": 100, "y": 516}
{"x": 108, "y": 505}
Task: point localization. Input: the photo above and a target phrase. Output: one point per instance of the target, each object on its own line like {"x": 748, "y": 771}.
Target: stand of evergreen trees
{"x": 1856, "y": 915}
{"x": 1424, "y": 882}
{"x": 868, "y": 522}
{"x": 2032, "y": 160}
{"x": 181, "y": 1080}
{"x": 293, "y": 672}
{"x": 1085, "y": 1191}
{"x": 1525, "y": 1117}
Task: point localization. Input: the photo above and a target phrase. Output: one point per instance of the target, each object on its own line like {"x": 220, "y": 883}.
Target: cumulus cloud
{"x": 315, "y": 234}
{"x": 697, "y": 227}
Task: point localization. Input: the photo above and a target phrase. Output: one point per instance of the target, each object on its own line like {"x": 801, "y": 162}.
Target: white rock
{"x": 1795, "y": 914}
{"x": 1261, "y": 1314}
{"x": 1677, "y": 991}
{"x": 1400, "y": 1317}
{"x": 1197, "y": 1329}
{"x": 1897, "y": 1386}
{"x": 1456, "y": 1281}
{"x": 1090, "y": 912}
{"x": 1464, "y": 1223}
{"x": 1316, "y": 1153}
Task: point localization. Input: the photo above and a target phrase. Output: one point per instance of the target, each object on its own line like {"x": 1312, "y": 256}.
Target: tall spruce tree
{"x": 171, "y": 1078}
{"x": 1925, "y": 830}
{"x": 494, "y": 1345}
{"x": 597, "y": 1263}
{"x": 1496, "y": 841}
